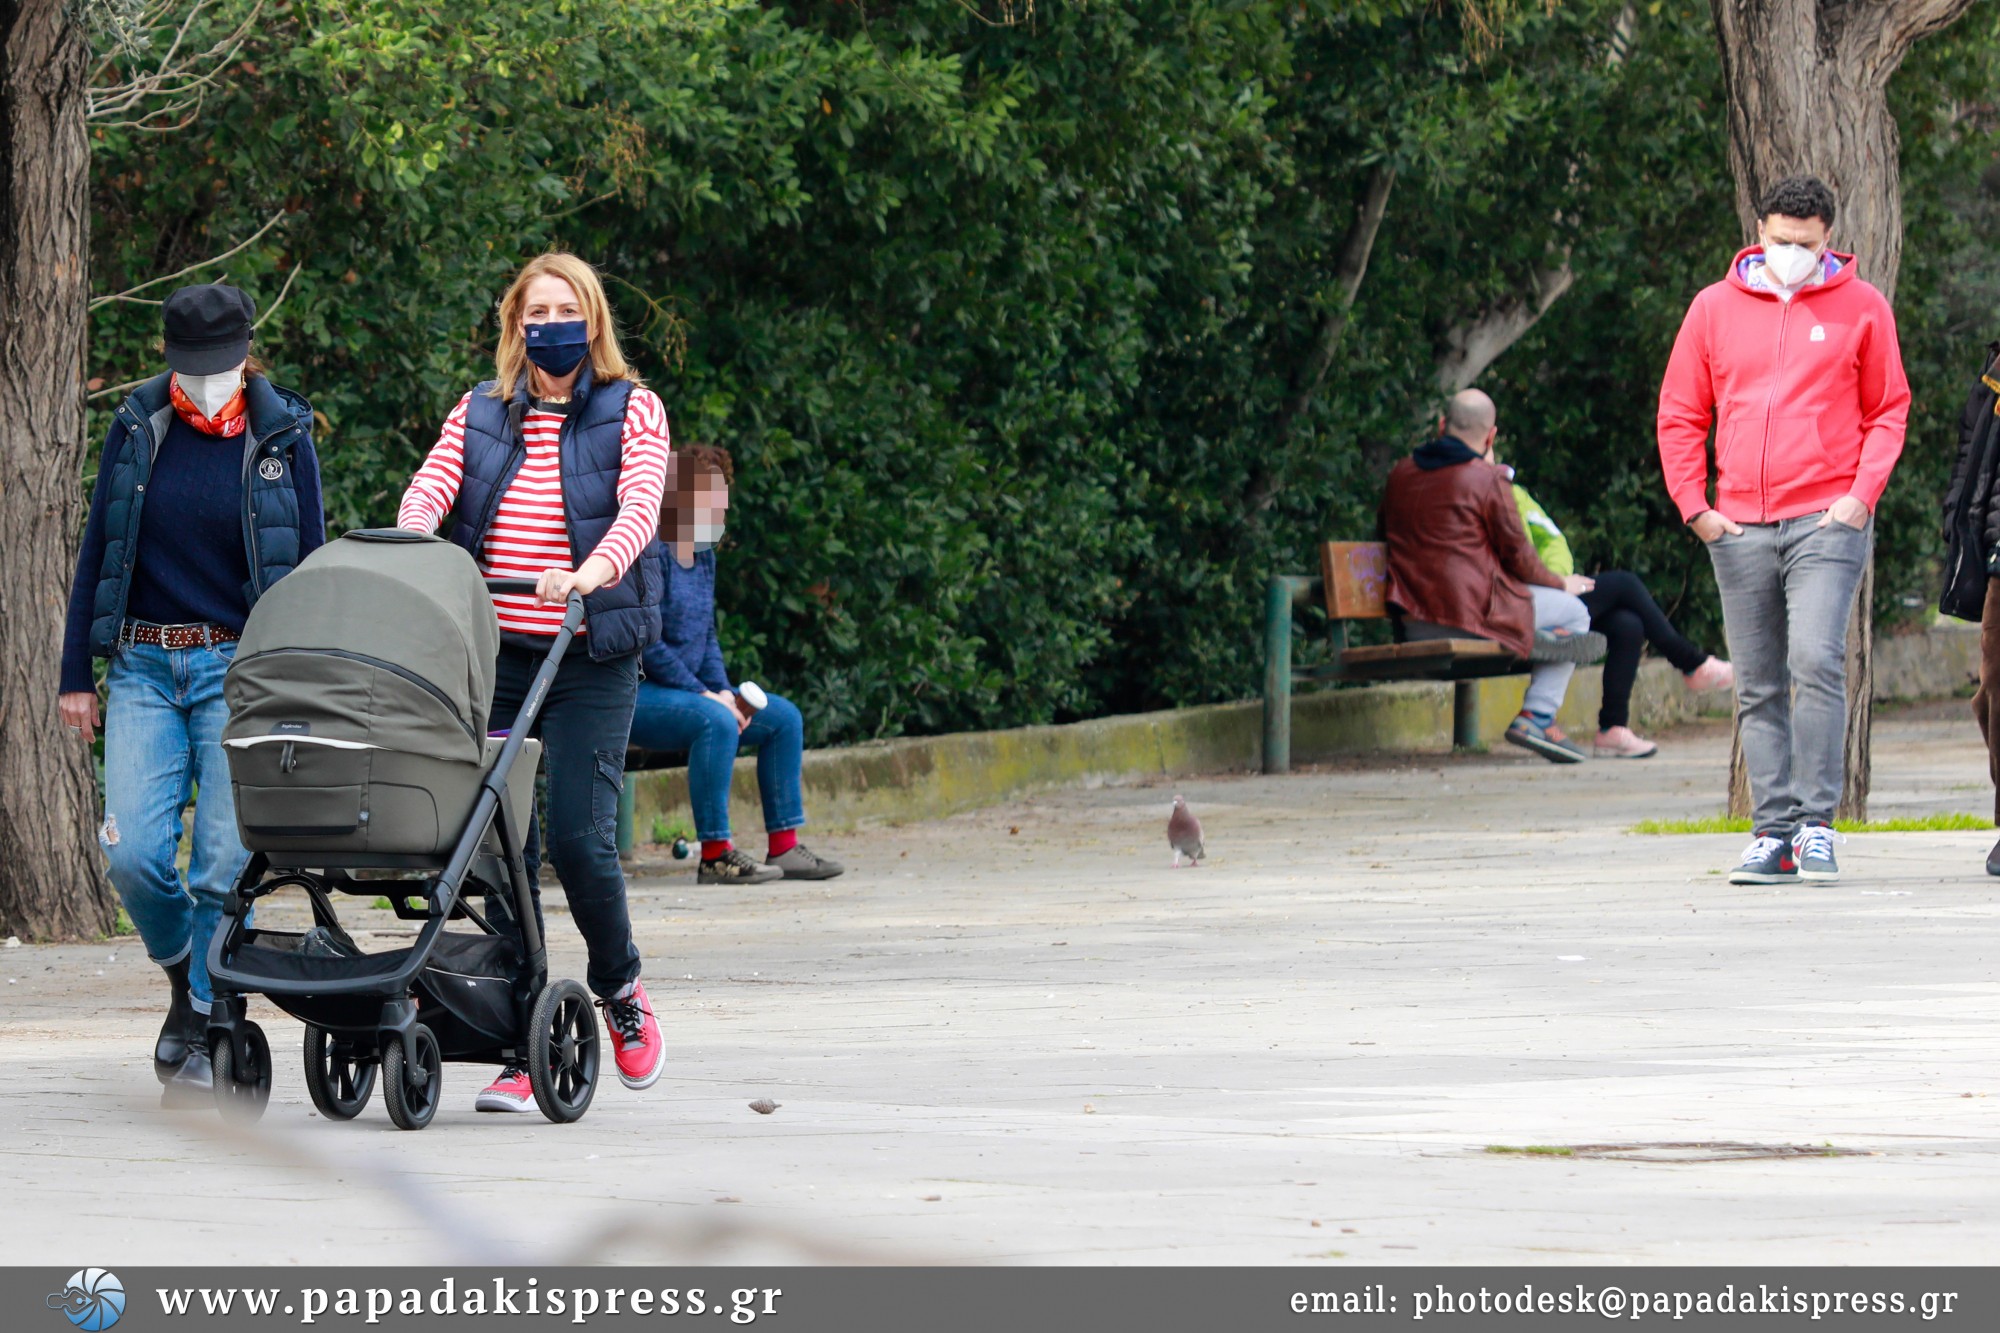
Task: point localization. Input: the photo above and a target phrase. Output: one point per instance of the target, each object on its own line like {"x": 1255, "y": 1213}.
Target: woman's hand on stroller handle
{"x": 557, "y": 586}
{"x": 528, "y": 588}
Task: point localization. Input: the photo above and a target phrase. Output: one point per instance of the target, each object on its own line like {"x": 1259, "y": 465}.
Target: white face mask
{"x": 1789, "y": 265}
{"x": 707, "y": 528}
{"x": 210, "y": 393}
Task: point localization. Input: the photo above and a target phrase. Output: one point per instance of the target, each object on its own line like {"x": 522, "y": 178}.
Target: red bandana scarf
{"x": 228, "y": 423}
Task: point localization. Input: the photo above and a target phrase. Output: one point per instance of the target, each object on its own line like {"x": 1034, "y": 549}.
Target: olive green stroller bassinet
{"x": 357, "y": 741}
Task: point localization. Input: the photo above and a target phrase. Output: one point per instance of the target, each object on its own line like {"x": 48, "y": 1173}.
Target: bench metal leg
{"x": 1465, "y": 715}
{"x": 1278, "y": 676}
{"x": 1281, "y": 595}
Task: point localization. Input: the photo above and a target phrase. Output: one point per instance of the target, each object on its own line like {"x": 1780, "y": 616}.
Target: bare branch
{"x": 283, "y": 292}
{"x": 175, "y": 75}
{"x": 128, "y": 293}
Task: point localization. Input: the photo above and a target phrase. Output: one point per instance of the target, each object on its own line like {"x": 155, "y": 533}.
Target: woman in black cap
{"x": 207, "y": 494}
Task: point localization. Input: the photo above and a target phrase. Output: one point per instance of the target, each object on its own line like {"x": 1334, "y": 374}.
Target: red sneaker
{"x": 510, "y": 1092}
{"x": 635, "y": 1038}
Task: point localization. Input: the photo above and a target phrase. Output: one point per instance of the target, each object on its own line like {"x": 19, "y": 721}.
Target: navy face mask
{"x": 558, "y": 347}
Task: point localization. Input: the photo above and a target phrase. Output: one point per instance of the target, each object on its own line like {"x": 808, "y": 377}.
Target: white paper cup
{"x": 750, "y": 693}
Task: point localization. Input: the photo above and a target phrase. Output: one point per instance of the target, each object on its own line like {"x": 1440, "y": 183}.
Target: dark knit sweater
{"x": 687, "y": 655}
{"x": 192, "y": 566}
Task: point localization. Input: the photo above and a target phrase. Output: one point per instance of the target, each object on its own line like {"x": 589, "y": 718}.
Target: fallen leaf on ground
{"x": 764, "y": 1106}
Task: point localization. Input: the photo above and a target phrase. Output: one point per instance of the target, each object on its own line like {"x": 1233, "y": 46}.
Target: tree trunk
{"x": 1349, "y": 269}
{"x": 51, "y": 881}
{"x": 1807, "y": 83}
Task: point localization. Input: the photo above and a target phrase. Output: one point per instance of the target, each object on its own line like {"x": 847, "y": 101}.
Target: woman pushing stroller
{"x": 564, "y": 453}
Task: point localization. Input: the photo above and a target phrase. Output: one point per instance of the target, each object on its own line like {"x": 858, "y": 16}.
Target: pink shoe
{"x": 1624, "y": 743}
{"x": 1714, "y": 674}
{"x": 510, "y": 1092}
{"x": 635, "y": 1038}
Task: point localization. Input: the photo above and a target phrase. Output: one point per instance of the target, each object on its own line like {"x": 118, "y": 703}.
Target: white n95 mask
{"x": 210, "y": 393}
{"x": 1789, "y": 265}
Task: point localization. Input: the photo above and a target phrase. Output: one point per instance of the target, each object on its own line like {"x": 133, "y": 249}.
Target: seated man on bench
{"x": 1461, "y": 567}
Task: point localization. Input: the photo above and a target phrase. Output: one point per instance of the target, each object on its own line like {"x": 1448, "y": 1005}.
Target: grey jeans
{"x": 1549, "y": 681}
{"x": 1787, "y": 589}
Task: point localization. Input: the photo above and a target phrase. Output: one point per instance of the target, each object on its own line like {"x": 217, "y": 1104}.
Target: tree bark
{"x": 51, "y": 879}
{"x": 1807, "y": 84}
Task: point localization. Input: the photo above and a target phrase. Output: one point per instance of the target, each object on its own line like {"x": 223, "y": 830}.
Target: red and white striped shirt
{"x": 529, "y": 533}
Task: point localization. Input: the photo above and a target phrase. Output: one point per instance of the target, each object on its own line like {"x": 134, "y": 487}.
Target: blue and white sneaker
{"x": 1812, "y": 845}
{"x": 1767, "y": 860}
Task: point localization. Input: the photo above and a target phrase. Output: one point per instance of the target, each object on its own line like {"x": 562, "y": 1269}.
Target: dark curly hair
{"x": 692, "y": 463}
{"x": 1799, "y": 197}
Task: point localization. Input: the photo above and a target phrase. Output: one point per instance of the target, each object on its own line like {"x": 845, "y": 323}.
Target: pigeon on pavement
{"x": 1184, "y": 834}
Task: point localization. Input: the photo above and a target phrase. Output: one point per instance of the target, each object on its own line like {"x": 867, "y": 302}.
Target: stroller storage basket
{"x": 465, "y": 991}
{"x": 302, "y": 794}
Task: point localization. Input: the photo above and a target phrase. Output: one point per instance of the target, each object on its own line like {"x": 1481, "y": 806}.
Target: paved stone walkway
{"x": 1016, "y": 1036}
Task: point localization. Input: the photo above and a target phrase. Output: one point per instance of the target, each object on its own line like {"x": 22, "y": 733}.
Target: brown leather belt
{"x": 179, "y": 636}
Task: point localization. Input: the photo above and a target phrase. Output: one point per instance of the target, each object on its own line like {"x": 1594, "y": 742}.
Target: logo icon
{"x": 1819, "y": 333}
{"x": 271, "y": 469}
{"x": 92, "y": 1300}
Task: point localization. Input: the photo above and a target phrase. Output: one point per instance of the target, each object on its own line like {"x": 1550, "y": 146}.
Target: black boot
{"x": 193, "y": 1085}
{"x": 1993, "y": 860}
{"x": 172, "y": 1048}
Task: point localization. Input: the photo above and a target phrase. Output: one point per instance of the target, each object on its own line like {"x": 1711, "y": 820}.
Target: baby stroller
{"x": 357, "y": 742}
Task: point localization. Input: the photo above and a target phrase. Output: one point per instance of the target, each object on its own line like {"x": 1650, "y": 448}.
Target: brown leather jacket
{"x": 1458, "y": 555}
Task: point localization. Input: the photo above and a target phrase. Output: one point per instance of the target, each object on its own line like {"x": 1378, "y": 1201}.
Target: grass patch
{"x": 1530, "y": 1150}
{"x": 1949, "y": 823}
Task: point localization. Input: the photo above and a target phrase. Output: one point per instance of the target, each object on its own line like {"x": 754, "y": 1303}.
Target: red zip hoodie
{"x": 1807, "y": 396}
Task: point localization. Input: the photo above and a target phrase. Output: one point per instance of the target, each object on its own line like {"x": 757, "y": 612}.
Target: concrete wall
{"x": 929, "y": 776}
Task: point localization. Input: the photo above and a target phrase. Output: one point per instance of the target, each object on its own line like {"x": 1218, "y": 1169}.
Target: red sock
{"x": 711, "y": 850}
{"x": 784, "y": 842}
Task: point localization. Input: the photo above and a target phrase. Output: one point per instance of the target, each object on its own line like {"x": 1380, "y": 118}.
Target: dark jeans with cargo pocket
{"x": 583, "y": 727}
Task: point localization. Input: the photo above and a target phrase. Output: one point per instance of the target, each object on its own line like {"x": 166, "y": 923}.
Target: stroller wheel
{"x": 412, "y": 1094}
{"x": 563, "y": 1051}
{"x": 336, "y": 1075}
{"x": 242, "y": 1088}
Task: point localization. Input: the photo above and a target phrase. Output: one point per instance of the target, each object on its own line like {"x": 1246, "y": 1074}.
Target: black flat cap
{"x": 208, "y": 328}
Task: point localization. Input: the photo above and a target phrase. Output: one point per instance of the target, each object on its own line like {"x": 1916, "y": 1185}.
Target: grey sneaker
{"x": 1767, "y": 860}
{"x": 1548, "y": 742}
{"x": 1812, "y": 844}
{"x": 1561, "y": 645}
{"x": 799, "y": 863}
{"x": 733, "y": 867}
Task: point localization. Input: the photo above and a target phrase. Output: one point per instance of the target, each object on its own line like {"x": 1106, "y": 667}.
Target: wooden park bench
{"x": 1354, "y": 580}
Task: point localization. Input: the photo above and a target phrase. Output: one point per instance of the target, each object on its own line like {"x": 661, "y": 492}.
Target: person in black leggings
{"x": 1627, "y": 616}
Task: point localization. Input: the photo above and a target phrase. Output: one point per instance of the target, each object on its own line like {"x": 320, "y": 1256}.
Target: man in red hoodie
{"x": 1794, "y": 360}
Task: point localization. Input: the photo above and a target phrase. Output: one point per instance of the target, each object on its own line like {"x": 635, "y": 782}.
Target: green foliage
{"x": 1000, "y": 319}
{"x": 1939, "y": 823}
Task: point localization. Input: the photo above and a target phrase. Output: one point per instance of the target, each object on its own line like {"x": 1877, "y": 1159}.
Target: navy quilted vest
{"x": 279, "y": 421}
{"x": 624, "y": 617}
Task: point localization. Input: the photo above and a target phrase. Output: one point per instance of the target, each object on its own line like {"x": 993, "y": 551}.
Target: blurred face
{"x": 550, "y": 300}
{"x": 697, "y": 509}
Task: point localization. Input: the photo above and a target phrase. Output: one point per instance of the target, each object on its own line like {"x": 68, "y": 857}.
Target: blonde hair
{"x": 510, "y": 359}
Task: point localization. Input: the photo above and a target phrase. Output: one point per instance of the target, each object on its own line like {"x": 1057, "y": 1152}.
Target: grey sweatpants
{"x": 1787, "y": 589}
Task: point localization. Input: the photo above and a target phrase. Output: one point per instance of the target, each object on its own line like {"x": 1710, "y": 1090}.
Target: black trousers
{"x": 1627, "y": 616}
{"x": 583, "y": 726}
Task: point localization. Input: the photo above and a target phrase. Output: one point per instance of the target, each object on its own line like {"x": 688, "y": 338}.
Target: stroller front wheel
{"x": 242, "y": 1087}
{"x": 563, "y": 1051}
{"x": 412, "y": 1094}
{"x": 338, "y": 1078}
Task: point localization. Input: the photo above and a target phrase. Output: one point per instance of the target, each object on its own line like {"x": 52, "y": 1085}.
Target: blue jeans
{"x": 163, "y": 746}
{"x": 669, "y": 719}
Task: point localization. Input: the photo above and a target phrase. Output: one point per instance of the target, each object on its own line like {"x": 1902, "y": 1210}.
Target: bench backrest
{"x": 1356, "y": 575}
